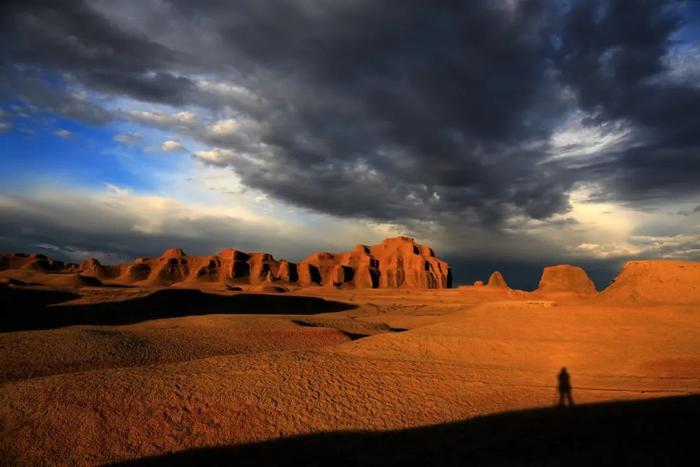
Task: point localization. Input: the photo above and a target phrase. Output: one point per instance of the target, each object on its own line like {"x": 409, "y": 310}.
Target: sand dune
{"x": 71, "y": 349}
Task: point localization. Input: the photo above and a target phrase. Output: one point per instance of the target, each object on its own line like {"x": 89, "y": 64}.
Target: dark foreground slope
{"x": 29, "y": 309}
{"x": 648, "y": 432}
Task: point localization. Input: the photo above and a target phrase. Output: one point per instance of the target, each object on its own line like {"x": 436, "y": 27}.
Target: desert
{"x": 210, "y": 368}
{"x": 349, "y": 233}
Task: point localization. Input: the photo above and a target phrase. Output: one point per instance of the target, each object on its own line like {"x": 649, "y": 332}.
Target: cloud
{"x": 117, "y": 210}
{"x": 679, "y": 246}
{"x": 5, "y": 126}
{"x": 128, "y": 138}
{"x": 63, "y": 133}
{"x": 614, "y": 60}
{"x": 332, "y": 134}
{"x": 223, "y": 127}
{"x": 597, "y": 251}
{"x": 29, "y": 85}
{"x": 583, "y": 137}
{"x": 171, "y": 146}
{"x": 76, "y": 40}
{"x": 159, "y": 118}
{"x": 118, "y": 224}
{"x": 466, "y": 92}
{"x": 683, "y": 66}
{"x": 215, "y": 156}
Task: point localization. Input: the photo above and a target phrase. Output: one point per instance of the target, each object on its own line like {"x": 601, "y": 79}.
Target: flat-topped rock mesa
{"x": 394, "y": 263}
{"x": 565, "y": 278}
{"x": 405, "y": 263}
{"x": 655, "y": 282}
{"x": 397, "y": 262}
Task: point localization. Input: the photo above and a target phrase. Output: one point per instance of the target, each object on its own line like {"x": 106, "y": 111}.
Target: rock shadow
{"x": 31, "y": 309}
{"x": 352, "y": 335}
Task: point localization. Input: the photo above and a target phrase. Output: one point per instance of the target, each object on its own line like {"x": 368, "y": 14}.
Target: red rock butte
{"x": 565, "y": 278}
{"x": 397, "y": 262}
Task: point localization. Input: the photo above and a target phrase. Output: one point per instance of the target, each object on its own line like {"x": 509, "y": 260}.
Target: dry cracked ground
{"x": 107, "y": 392}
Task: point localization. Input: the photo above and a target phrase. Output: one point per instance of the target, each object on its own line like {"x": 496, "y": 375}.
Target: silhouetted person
{"x": 565, "y": 388}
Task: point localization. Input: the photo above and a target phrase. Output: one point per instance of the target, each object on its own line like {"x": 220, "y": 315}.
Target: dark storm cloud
{"x": 398, "y": 111}
{"x": 369, "y": 110}
{"x": 69, "y": 37}
{"x": 612, "y": 56}
{"x": 27, "y": 84}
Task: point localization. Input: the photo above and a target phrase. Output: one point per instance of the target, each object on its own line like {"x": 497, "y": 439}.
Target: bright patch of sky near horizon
{"x": 153, "y": 174}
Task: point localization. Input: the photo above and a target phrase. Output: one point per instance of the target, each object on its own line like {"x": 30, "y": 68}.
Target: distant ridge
{"x": 654, "y": 282}
{"x": 397, "y": 262}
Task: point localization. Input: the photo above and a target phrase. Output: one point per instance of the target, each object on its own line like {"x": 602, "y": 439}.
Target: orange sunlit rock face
{"x": 567, "y": 279}
{"x": 394, "y": 263}
{"x": 655, "y": 281}
{"x": 104, "y": 364}
{"x": 497, "y": 281}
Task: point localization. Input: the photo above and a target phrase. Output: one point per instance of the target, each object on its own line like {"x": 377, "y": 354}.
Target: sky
{"x": 507, "y": 135}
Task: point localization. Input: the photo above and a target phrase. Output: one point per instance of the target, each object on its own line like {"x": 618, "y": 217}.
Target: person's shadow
{"x": 564, "y": 388}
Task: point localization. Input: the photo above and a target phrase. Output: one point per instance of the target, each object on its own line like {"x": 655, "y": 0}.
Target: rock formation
{"x": 655, "y": 282}
{"x": 94, "y": 268}
{"x": 35, "y": 262}
{"x": 565, "y": 278}
{"x": 497, "y": 281}
{"x": 404, "y": 263}
{"x": 74, "y": 280}
{"x": 395, "y": 263}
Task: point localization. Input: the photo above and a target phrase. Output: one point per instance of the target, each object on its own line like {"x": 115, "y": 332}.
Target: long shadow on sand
{"x": 31, "y": 309}
{"x": 647, "y": 432}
